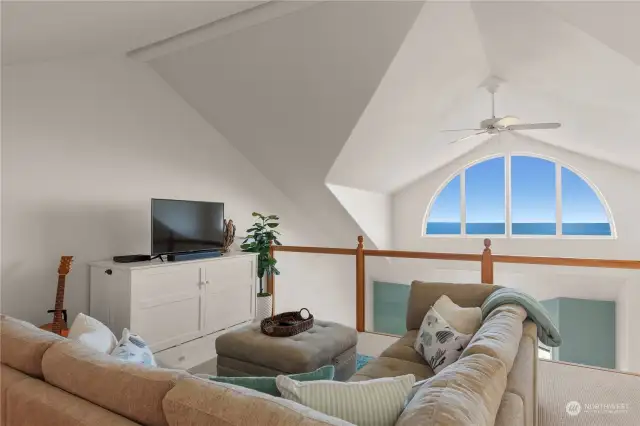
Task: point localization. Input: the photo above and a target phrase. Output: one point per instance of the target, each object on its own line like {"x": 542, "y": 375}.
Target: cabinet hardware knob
{"x": 108, "y": 272}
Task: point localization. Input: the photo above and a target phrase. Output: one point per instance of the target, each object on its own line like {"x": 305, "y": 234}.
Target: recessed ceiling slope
{"x": 438, "y": 68}
{"x": 528, "y": 44}
{"x": 288, "y": 92}
{"x": 45, "y": 30}
{"x": 613, "y": 23}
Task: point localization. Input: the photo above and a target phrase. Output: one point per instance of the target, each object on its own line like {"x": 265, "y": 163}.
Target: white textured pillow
{"x": 92, "y": 333}
{"x": 132, "y": 348}
{"x": 377, "y": 402}
{"x": 438, "y": 342}
{"x": 464, "y": 320}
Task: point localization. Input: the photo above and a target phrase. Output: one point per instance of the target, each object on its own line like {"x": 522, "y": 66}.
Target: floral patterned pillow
{"x": 438, "y": 342}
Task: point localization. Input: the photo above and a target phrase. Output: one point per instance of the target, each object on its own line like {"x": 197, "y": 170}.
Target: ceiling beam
{"x": 263, "y": 12}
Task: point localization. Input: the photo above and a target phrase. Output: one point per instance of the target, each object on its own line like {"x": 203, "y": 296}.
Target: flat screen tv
{"x": 186, "y": 226}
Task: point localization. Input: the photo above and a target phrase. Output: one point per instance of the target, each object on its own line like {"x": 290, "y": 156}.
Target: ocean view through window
{"x": 518, "y": 195}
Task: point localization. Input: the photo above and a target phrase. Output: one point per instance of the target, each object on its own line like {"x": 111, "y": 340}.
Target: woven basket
{"x": 286, "y": 324}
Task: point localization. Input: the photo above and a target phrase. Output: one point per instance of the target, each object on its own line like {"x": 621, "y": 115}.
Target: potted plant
{"x": 258, "y": 240}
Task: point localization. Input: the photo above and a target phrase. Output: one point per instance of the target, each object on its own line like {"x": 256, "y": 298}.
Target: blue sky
{"x": 485, "y": 192}
{"x": 533, "y": 195}
{"x": 446, "y": 207}
{"x": 533, "y": 190}
{"x": 579, "y": 203}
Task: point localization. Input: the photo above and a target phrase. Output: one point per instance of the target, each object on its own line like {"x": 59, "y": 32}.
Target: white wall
{"x": 615, "y": 183}
{"x": 86, "y": 144}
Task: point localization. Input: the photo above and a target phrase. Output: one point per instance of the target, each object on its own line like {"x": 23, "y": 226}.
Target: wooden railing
{"x": 486, "y": 259}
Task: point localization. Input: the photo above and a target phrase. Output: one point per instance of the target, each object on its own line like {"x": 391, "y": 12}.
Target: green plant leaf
{"x": 272, "y": 225}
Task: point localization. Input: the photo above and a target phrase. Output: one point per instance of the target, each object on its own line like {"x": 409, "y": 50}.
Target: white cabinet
{"x": 174, "y": 302}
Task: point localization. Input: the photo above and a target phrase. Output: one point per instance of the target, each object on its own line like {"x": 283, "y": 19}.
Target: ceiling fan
{"x": 495, "y": 125}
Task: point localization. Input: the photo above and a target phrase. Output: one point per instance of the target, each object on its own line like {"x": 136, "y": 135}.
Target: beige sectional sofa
{"x": 519, "y": 403}
{"x": 48, "y": 380}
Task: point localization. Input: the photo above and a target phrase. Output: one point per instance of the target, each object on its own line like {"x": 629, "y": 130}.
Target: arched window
{"x": 518, "y": 195}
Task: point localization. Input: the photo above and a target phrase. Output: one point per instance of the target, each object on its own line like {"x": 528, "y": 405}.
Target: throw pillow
{"x": 377, "y": 402}
{"x": 464, "y": 320}
{"x": 268, "y": 384}
{"x": 467, "y": 393}
{"x": 92, "y": 333}
{"x": 132, "y": 348}
{"x": 438, "y": 342}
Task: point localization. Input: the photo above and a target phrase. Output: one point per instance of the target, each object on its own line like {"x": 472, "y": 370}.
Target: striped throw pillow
{"x": 377, "y": 402}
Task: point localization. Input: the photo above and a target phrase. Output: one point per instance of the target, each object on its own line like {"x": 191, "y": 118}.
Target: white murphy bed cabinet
{"x": 169, "y": 304}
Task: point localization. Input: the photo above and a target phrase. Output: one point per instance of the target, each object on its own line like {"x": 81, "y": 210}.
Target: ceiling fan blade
{"x": 533, "y": 126}
{"x": 470, "y": 136}
{"x": 461, "y": 130}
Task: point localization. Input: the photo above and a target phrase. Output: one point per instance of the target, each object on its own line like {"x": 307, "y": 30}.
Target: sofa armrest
{"x": 523, "y": 378}
{"x": 423, "y": 295}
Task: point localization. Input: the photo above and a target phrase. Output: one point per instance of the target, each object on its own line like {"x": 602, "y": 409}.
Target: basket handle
{"x": 305, "y": 309}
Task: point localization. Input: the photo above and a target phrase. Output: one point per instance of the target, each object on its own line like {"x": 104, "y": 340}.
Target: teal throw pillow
{"x": 268, "y": 384}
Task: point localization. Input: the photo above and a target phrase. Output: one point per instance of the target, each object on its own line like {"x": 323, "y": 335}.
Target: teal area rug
{"x": 362, "y": 360}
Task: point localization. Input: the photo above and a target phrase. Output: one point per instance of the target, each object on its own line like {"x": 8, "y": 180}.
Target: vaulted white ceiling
{"x": 341, "y": 104}
{"x": 354, "y": 94}
{"x": 45, "y": 30}
{"x": 555, "y": 70}
{"x": 287, "y": 92}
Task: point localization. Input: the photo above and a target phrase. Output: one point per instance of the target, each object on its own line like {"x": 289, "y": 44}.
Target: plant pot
{"x": 263, "y": 306}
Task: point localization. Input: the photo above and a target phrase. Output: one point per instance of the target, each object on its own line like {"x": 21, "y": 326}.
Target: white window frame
{"x": 508, "y": 234}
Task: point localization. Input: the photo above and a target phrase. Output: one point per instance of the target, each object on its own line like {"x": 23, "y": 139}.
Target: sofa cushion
{"x": 8, "y": 378}
{"x": 391, "y": 367}
{"x": 423, "y": 295}
{"x": 268, "y": 384}
{"x": 131, "y": 390}
{"x": 376, "y": 402}
{"x": 463, "y": 320}
{"x": 403, "y": 349}
{"x": 466, "y": 393}
{"x": 34, "y": 402}
{"x": 499, "y": 335}
{"x": 22, "y": 345}
{"x": 195, "y": 401}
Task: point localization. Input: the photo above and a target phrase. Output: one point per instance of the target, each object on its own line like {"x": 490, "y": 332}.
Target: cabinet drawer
{"x": 231, "y": 270}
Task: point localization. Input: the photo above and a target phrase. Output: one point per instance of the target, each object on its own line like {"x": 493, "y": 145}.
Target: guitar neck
{"x": 57, "y": 315}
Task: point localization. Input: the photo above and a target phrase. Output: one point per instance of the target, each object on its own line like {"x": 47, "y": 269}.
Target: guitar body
{"x": 64, "y": 331}
{"x": 59, "y": 324}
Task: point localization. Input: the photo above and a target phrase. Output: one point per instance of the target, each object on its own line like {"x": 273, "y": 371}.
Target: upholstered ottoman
{"x": 248, "y": 352}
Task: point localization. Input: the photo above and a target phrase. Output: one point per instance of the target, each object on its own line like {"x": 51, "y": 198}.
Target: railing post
{"x": 486, "y": 269}
{"x": 271, "y": 282}
{"x": 360, "y": 285}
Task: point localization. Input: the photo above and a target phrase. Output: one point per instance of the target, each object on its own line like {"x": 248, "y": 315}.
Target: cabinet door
{"x": 166, "y": 304}
{"x": 229, "y": 292}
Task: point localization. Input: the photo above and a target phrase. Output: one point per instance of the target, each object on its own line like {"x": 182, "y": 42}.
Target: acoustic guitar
{"x": 59, "y": 324}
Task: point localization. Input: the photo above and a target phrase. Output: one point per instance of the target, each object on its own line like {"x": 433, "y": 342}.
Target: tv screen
{"x": 186, "y": 226}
